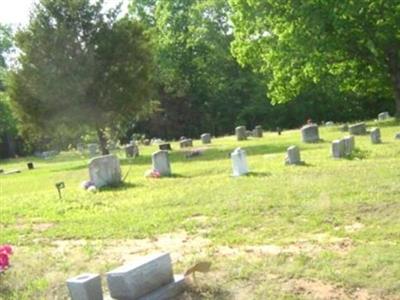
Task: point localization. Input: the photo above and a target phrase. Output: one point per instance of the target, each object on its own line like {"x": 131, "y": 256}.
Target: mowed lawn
{"x": 330, "y": 228}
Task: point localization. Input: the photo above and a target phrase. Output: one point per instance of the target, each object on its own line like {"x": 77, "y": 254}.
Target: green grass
{"x": 308, "y": 208}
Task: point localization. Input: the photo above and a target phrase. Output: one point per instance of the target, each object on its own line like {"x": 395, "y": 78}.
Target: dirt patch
{"x": 324, "y": 291}
{"x": 354, "y": 227}
{"x": 40, "y": 227}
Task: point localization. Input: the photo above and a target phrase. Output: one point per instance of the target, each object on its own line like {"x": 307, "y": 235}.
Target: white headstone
{"x": 338, "y": 148}
{"x": 140, "y": 278}
{"x": 105, "y": 171}
{"x": 358, "y": 129}
{"x": 349, "y": 144}
{"x": 93, "y": 149}
{"x": 293, "y": 156}
{"x": 85, "y": 287}
{"x": 240, "y": 132}
{"x": 239, "y": 162}
{"x": 376, "y": 136}
{"x": 206, "y": 138}
{"x": 310, "y": 133}
{"x": 383, "y": 116}
{"x": 161, "y": 163}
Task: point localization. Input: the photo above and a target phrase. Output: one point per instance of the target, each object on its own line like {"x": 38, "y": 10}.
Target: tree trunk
{"x": 102, "y": 141}
{"x": 394, "y": 69}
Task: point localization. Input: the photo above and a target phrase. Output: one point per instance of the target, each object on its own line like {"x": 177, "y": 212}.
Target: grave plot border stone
{"x": 86, "y": 286}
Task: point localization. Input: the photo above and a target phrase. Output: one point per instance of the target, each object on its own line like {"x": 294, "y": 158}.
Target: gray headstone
{"x": 344, "y": 128}
{"x": 136, "y": 280}
{"x": 383, "y": 116}
{"x": 310, "y": 133}
{"x": 165, "y": 146}
{"x": 168, "y": 291}
{"x": 93, "y": 149}
{"x": 293, "y": 156}
{"x": 80, "y": 148}
{"x": 358, "y": 129}
{"x": 249, "y": 133}
{"x": 397, "y": 136}
{"x": 131, "y": 150}
{"x": 258, "y": 131}
{"x": 85, "y": 287}
{"x": 239, "y": 162}
{"x": 375, "y": 136}
{"x": 349, "y": 144}
{"x": 161, "y": 163}
{"x": 146, "y": 142}
{"x": 206, "y": 138}
{"x": 186, "y": 143}
{"x": 105, "y": 171}
{"x": 338, "y": 148}
{"x": 240, "y": 132}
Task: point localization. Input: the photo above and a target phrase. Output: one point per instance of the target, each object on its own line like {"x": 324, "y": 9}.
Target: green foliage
{"x": 80, "y": 66}
{"x": 297, "y": 43}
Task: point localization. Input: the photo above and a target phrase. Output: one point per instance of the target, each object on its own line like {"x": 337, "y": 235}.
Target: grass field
{"x": 327, "y": 230}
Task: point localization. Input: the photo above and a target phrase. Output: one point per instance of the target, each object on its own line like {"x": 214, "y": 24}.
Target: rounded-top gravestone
{"x": 239, "y": 162}
{"x": 240, "y": 132}
{"x": 258, "y": 131}
{"x": 293, "y": 156}
{"x": 105, "y": 171}
{"x": 161, "y": 163}
{"x": 358, "y": 129}
{"x": 383, "y": 116}
{"x": 310, "y": 133}
{"x": 206, "y": 138}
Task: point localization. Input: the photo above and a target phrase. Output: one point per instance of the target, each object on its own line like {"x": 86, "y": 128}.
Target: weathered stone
{"x": 358, "y": 129}
{"x": 258, "y": 131}
{"x": 310, "y": 133}
{"x": 80, "y": 148}
{"x": 249, "y": 133}
{"x": 338, "y": 148}
{"x": 239, "y": 162}
{"x": 30, "y": 165}
{"x": 186, "y": 143}
{"x": 397, "y": 136}
{"x": 165, "y": 146}
{"x": 131, "y": 150}
{"x": 383, "y": 116}
{"x": 85, "y": 287}
{"x": 344, "y": 127}
{"x": 93, "y": 149}
{"x": 161, "y": 163}
{"x": 349, "y": 144}
{"x": 293, "y": 156}
{"x": 206, "y": 138}
{"x": 168, "y": 291}
{"x": 375, "y": 136}
{"x": 240, "y": 132}
{"x": 136, "y": 280}
{"x": 146, "y": 142}
{"x": 105, "y": 171}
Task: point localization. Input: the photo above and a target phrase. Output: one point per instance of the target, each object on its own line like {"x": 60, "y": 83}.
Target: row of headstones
{"x": 151, "y": 278}
{"x": 242, "y": 133}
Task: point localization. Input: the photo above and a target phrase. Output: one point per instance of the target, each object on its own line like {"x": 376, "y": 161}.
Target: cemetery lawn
{"x": 330, "y": 228}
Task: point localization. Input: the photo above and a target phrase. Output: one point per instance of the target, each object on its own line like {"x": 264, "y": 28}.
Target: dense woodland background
{"x": 180, "y": 68}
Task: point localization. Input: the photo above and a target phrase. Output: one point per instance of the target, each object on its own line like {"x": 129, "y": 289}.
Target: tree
{"x": 81, "y": 66}
{"x": 298, "y": 43}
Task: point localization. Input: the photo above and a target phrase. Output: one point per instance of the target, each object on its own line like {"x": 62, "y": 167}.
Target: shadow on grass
{"x": 120, "y": 187}
{"x": 205, "y": 291}
{"x": 259, "y": 174}
{"x": 358, "y": 154}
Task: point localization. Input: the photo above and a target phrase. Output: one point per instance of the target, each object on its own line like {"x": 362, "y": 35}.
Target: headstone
{"x": 344, "y": 128}
{"x": 329, "y": 124}
{"x": 186, "y": 143}
{"x": 146, "y": 142}
{"x": 349, "y": 144}
{"x": 93, "y": 149}
{"x": 30, "y": 165}
{"x": 105, "y": 171}
{"x": 165, "y": 146}
{"x": 240, "y": 132}
{"x": 131, "y": 150}
{"x": 358, "y": 129}
{"x": 383, "y": 116}
{"x": 80, "y": 148}
{"x": 310, "y": 133}
{"x": 293, "y": 156}
{"x": 249, "y": 133}
{"x": 279, "y": 130}
{"x": 206, "y": 138}
{"x": 161, "y": 163}
{"x": 239, "y": 162}
{"x": 85, "y": 287}
{"x": 338, "y": 148}
{"x": 141, "y": 278}
{"x": 375, "y": 135}
{"x": 258, "y": 131}
{"x": 397, "y": 136}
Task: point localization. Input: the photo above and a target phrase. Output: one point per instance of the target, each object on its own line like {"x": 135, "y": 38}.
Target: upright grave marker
{"x": 85, "y": 287}
{"x": 375, "y": 135}
{"x": 105, "y": 171}
{"x": 161, "y": 163}
{"x": 358, "y": 129}
{"x": 258, "y": 131}
{"x": 206, "y": 138}
{"x": 239, "y": 162}
{"x": 338, "y": 148}
{"x": 240, "y": 132}
{"x": 293, "y": 156}
{"x": 310, "y": 133}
